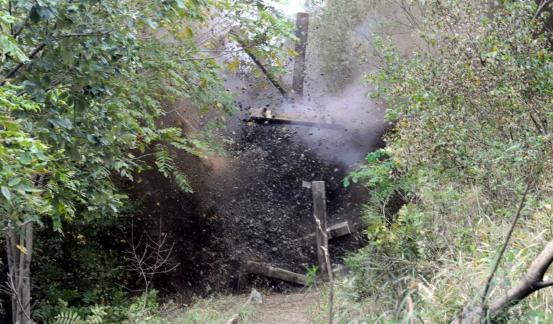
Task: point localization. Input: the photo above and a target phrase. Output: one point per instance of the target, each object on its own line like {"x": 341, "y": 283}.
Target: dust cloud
{"x": 356, "y": 124}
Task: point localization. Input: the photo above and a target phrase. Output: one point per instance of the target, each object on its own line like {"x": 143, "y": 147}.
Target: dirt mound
{"x": 248, "y": 204}
{"x": 265, "y": 209}
{"x": 253, "y": 208}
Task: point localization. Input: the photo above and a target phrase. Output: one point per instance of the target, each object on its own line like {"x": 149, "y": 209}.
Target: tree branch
{"x": 43, "y": 44}
{"x": 504, "y": 247}
{"x": 272, "y": 78}
{"x": 14, "y": 71}
{"x": 532, "y": 282}
{"x": 543, "y": 6}
{"x": 544, "y": 284}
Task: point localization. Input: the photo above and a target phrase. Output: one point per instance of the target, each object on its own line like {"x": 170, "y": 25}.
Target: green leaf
{"x": 8, "y": 45}
{"x": 65, "y": 123}
{"x": 151, "y": 23}
{"x": 56, "y": 223}
{"x": 92, "y": 139}
{"x": 26, "y": 158}
{"x": 6, "y": 193}
{"x": 39, "y": 13}
{"x": 180, "y": 4}
{"x": 14, "y": 182}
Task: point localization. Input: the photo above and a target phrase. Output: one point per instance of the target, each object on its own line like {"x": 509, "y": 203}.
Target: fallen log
{"x": 268, "y": 270}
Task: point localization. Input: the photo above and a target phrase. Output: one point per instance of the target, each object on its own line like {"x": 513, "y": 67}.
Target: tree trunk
{"x": 302, "y": 28}
{"x": 19, "y": 270}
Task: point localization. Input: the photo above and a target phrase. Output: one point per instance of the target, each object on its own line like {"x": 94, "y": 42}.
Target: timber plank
{"x": 263, "y": 115}
{"x": 334, "y": 231}
{"x": 268, "y": 270}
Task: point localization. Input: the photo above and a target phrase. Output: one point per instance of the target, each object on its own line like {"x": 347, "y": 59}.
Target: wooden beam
{"x": 339, "y": 230}
{"x": 334, "y": 231}
{"x": 263, "y": 116}
{"x": 268, "y": 270}
{"x": 302, "y": 30}
{"x": 319, "y": 213}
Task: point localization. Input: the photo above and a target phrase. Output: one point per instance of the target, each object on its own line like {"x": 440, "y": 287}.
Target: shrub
{"x": 473, "y": 121}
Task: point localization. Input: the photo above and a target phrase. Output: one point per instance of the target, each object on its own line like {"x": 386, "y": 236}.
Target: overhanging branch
{"x": 42, "y": 45}
{"x": 247, "y": 48}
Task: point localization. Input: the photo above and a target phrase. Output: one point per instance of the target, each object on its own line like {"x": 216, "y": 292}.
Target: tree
{"x": 83, "y": 84}
{"x": 23, "y": 166}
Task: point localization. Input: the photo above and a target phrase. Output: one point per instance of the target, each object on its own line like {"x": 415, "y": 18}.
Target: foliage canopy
{"x": 83, "y": 84}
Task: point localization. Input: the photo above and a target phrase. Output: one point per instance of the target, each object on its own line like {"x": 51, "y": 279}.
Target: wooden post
{"x": 302, "y": 29}
{"x": 319, "y": 213}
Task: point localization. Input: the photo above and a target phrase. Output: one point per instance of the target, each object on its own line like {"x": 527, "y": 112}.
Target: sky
{"x": 289, "y": 7}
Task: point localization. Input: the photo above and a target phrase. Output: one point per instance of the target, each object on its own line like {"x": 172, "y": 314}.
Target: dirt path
{"x": 285, "y": 309}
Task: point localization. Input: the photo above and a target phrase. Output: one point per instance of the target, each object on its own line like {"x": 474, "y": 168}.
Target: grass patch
{"x": 216, "y": 309}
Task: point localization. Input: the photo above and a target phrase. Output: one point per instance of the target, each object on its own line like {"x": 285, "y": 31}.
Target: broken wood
{"x": 268, "y": 116}
{"x": 334, "y": 231}
{"x": 302, "y": 29}
{"x": 248, "y": 50}
{"x": 268, "y": 270}
{"x": 319, "y": 213}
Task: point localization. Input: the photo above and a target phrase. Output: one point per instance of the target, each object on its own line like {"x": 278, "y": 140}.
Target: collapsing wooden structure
{"x": 322, "y": 233}
{"x": 320, "y": 237}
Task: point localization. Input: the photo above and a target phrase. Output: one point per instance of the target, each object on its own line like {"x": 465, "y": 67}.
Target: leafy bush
{"x": 475, "y": 109}
{"x": 388, "y": 188}
{"x": 473, "y": 127}
{"x": 141, "y": 309}
{"x": 81, "y": 269}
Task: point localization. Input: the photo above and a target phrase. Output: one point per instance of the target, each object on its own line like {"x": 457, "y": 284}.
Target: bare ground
{"x": 285, "y": 308}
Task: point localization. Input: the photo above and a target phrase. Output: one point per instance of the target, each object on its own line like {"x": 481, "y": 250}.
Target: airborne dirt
{"x": 249, "y": 205}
